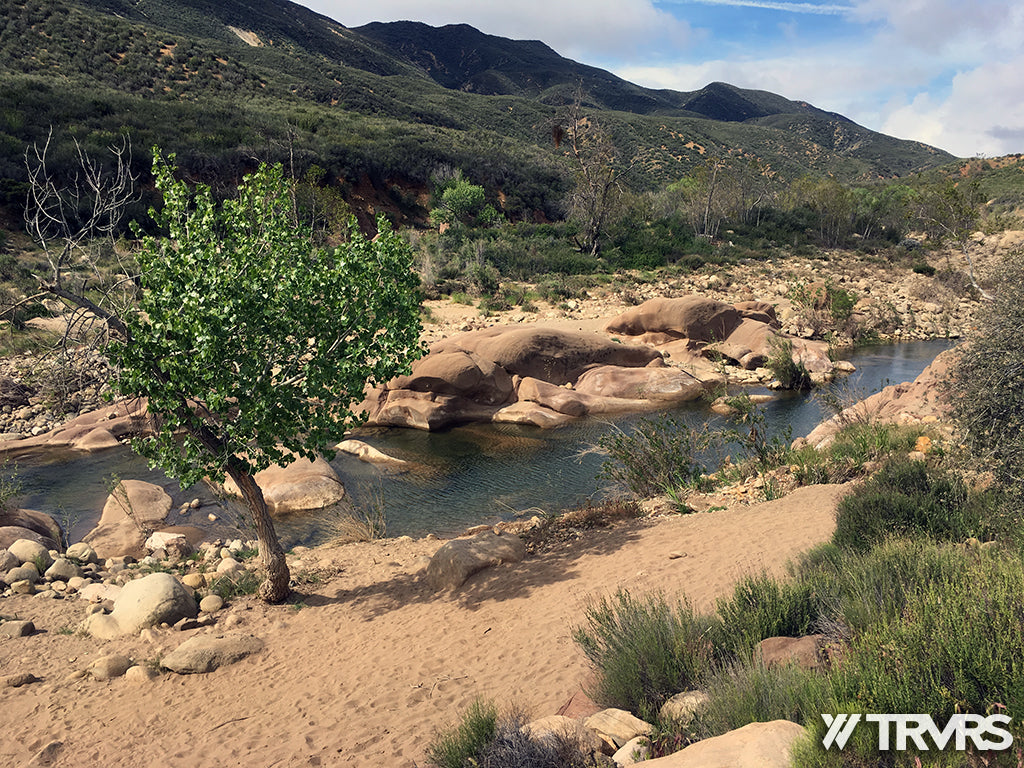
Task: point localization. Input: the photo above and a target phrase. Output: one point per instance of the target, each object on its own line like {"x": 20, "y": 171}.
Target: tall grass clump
{"x": 746, "y": 691}
{"x": 762, "y": 607}
{"x": 790, "y": 373}
{"x": 458, "y": 746}
{"x": 485, "y": 739}
{"x": 644, "y": 651}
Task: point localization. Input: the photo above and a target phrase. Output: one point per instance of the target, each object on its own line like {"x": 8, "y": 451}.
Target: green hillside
{"x": 379, "y": 108}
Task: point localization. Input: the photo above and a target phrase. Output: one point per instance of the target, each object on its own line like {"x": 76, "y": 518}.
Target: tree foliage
{"x": 270, "y": 340}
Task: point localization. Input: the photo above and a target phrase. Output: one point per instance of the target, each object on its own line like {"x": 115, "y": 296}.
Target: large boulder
{"x": 655, "y": 384}
{"x": 555, "y": 356}
{"x": 47, "y": 530}
{"x": 757, "y": 745}
{"x": 460, "y": 373}
{"x": 30, "y": 551}
{"x": 300, "y": 486}
{"x": 131, "y": 513}
{"x": 458, "y": 559}
{"x": 689, "y": 317}
{"x": 150, "y": 601}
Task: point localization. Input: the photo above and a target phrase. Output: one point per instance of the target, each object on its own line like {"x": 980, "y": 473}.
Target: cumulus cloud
{"x": 589, "y": 30}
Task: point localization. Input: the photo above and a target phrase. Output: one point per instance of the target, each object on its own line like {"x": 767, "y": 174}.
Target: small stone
{"x": 23, "y": 587}
{"x": 193, "y": 580}
{"x": 26, "y": 572}
{"x": 211, "y": 604}
{"x": 17, "y": 628}
{"x": 228, "y": 565}
{"x": 20, "y": 679}
{"x": 62, "y": 570}
{"x": 82, "y": 552}
{"x": 140, "y": 674}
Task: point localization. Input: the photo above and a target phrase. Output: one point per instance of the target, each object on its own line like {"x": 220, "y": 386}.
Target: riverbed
{"x": 458, "y": 478}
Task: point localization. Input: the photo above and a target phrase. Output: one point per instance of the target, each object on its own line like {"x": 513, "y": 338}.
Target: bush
{"x": 660, "y": 455}
{"x": 485, "y": 740}
{"x": 644, "y": 651}
{"x": 747, "y": 692}
{"x": 762, "y": 607}
{"x": 790, "y": 373}
{"x": 956, "y": 646}
{"x": 907, "y": 498}
{"x": 987, "y": 382}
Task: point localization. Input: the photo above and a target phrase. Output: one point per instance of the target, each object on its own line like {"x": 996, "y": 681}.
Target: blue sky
{"x": 946, "y": 72}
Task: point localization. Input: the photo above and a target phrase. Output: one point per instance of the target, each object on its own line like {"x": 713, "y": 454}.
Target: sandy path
{"x": 373, "y": 662}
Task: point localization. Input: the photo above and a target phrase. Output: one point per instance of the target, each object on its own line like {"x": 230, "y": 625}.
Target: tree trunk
{"x": 275, "y": 589}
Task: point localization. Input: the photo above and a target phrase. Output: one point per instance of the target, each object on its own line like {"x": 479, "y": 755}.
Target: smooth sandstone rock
{"x": 110, "y": 666}
{"x": 459, "y": 559}
{"x": 130, "y": 512}
{"x": 205, "y": 653}
{"x": 82, "y": 552}
{"x": 300, "y": 486}
{"x": 145, "y": 602}
{"x": 757, "y": 745}
{"x": 618, "y": 725}
{"x": 30, "y": 551}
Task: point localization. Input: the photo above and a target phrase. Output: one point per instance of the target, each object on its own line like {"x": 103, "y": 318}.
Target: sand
{"x": 368, "y": 662}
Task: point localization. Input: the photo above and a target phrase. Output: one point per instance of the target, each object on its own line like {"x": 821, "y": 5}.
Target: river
{"x": 462, "y": 477}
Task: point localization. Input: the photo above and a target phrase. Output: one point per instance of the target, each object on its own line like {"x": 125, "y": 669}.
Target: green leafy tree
{"x": 250, "y": 344}
{"x": 949, "y": 212}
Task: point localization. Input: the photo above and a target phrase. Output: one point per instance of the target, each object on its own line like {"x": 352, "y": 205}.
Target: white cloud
{"x": 588, "y": 30}
{"x": 982, "y": 115}
{"x": 940, "y": 71}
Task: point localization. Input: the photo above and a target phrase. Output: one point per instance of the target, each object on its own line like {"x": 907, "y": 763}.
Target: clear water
{"x": 460, "y": 477}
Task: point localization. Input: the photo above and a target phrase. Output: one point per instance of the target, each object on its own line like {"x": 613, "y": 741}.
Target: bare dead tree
{"x": 69, "y": 215}
{"x": 598, "y": 170}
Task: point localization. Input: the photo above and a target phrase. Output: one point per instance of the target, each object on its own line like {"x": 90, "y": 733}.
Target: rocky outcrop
{"x": 746, "y": 334}
{"x": 918, "y": 402}
{"x": 94, "y": 431}
{"x": 527, "y": 375}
